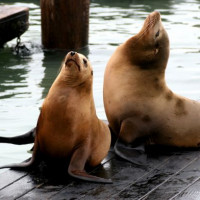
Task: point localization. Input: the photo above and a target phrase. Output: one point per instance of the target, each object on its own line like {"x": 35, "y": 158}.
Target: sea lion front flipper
{"x": 76, "y": 167}
{"x": 135, "y": 155}
{"x": 26, "y": 138}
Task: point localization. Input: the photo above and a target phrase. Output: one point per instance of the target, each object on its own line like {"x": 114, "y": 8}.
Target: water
{"x": 24, "y": 81}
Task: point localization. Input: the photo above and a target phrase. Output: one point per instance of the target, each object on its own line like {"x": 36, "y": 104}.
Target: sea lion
{"x": 138, "y": 104}
{"x": 68, "y": 129}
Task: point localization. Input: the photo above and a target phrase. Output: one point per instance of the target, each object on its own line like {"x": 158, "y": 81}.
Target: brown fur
{"x": 137, "y": 100}
{"x": 68, "y": 128}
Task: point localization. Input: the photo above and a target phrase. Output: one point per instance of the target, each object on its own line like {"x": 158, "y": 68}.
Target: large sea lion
{"x": 138, "y": 103}
{"x": 68, "y": 129}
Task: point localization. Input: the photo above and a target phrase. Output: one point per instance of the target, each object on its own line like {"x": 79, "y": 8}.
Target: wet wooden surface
{"x": 11, "y": 11}
{"x": 173, "y": 174}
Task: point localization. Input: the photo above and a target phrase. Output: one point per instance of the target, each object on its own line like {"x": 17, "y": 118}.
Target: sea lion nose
{"x": 72, "y": 53}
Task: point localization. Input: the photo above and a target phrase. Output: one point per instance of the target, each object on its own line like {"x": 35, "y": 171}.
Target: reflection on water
{"x": 11, "y": 77}
{"x": 25, "y": 81}
{"x": 142, "y": 5}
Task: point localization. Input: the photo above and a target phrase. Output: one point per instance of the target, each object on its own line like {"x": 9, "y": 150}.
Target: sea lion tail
{"x": 26, "y": 138}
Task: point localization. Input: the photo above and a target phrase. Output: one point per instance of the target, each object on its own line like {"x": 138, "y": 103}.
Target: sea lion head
{"x": 76, "y": 68}
{"x": 150, "y": 47}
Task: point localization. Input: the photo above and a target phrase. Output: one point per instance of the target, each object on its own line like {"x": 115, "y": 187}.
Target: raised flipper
{"x": 135, "y": 155}
{"x": 77, "y": 164}
{"x": 26, "y": 138}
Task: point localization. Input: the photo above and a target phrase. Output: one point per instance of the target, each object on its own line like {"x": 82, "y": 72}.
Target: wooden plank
{"x": 176, "y": 183}
{"x": 18, "y": 188}
{"x": 168, "y": 175}
{"x": 48, "y": 187}
{"x": 122, "y": 173}
{"x": 42, "y": 192}
{"x": 191, "y": 192}
{"x": 147, "y": 184}
{"x": 11, "y": 11}
{"x": 13, "y": 22}
{"x": 35, "y": 180}
{"x": 9, "y": 177}
{"x": 78, "y": 189}
{"x": 56, "y": 184}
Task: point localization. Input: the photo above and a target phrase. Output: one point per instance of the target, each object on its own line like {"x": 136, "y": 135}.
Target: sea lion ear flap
{"x": 92, "y": 72}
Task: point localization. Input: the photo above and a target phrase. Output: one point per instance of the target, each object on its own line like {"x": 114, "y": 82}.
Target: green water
{"x": 25, "y": 80}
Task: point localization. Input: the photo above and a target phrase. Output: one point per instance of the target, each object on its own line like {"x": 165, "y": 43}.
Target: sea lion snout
{"x": 72, "y": 59}
{"x": 152, "y": 19}
{"x": 155, "y": 14}
{"x": 72, "y": 53}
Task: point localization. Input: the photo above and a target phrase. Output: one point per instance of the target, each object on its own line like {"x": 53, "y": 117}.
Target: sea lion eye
{"x": 85, "y": 62}
{"x": 157, "y": 34}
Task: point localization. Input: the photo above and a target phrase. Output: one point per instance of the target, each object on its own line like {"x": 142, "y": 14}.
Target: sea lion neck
{"x": 75, "y": 81}
{"x": 85, "y": 86}
{"x": 152, "y": 82}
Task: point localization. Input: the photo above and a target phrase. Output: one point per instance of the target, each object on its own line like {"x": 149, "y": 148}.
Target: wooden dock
{"x": 13, "y": 22}
{"x": 170, "y": 174}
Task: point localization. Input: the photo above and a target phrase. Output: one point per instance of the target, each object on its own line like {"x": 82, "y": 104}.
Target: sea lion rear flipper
{"x": 76, "y": 168}
{"x": 135, "y": 155}
{"x": 27, "y": 164}
{"x": 26, "y": 138}
{"x": 20, "y": 166}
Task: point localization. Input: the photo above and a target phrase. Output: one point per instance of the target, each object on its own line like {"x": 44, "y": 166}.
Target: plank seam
{"x": 197, "y": 179}
{"x": 74, "y": 181}
{"x": 13, "y": 181}
{"x": 157, "y": 166}
{"x": 25, "y": 193}
{"x": 148, "y": 193}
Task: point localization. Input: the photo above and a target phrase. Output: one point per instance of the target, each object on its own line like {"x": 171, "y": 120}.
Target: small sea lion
{"x": 68, "y": 129}
{"x": 138, "y": 104}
